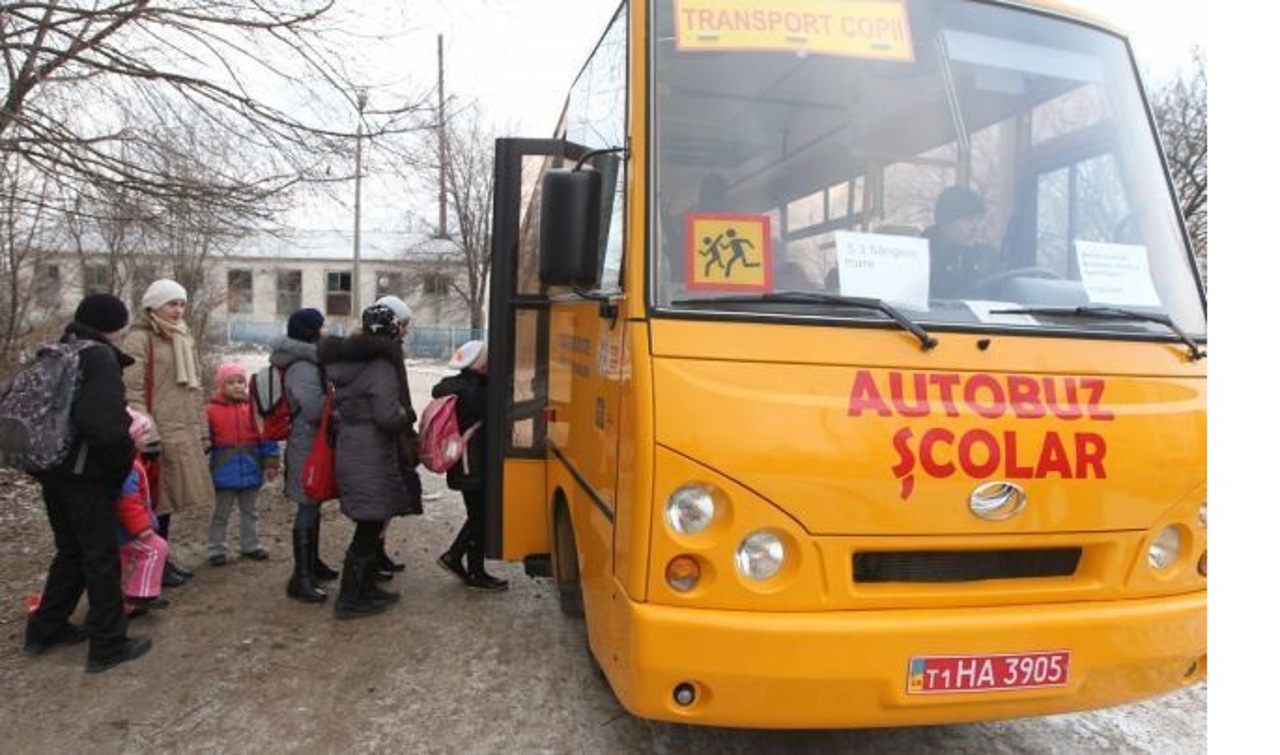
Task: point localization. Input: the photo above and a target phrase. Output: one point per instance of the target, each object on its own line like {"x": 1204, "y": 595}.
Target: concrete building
{"x": 250, "y": 291}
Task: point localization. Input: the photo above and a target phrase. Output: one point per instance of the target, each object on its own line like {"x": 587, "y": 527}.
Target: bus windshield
{"x": 955, "y": 159}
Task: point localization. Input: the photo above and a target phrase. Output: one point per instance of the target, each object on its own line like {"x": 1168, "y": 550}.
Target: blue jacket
{"x": 237, "y": 454}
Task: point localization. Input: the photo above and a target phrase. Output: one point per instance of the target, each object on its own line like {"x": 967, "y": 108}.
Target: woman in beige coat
{"x": 164, "y": 383}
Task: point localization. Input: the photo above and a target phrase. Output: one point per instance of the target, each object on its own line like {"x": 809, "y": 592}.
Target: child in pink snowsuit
{"x": 142, "y": 550}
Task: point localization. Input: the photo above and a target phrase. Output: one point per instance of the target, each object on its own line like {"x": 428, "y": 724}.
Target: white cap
{"x": 397, "y": 305}
{"x": 162, "y": 292}
{"x": 468, "y": 354}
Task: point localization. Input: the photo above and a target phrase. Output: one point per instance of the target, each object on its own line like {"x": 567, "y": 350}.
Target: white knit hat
{"x": 397, "y": 305}
{"x": 468, "y": 354}
{"x": 162, "y": 292}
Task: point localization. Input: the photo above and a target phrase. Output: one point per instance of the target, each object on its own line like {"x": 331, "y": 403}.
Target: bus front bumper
{"x": 850, "y": 669}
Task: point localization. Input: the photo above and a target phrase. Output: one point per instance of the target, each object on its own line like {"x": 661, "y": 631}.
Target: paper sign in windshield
{"x": 728, "y": 252}
{"x": 892, "y": 268}
{"x": 1116, "y": 274}
{"x": 874, "y": 29}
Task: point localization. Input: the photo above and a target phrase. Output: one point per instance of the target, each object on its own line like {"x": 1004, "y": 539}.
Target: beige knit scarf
{"x": 184, "y": 349}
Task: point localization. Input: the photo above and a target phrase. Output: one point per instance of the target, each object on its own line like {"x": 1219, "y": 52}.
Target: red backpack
{"x": 441, "y": 443}
{"x": 270, "y": 407}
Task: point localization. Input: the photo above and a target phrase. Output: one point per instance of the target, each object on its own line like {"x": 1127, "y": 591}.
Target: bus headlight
{"x": 690, "y": 509}
{"x": 1164, "y": 549}
{"x": 760, "y": 555}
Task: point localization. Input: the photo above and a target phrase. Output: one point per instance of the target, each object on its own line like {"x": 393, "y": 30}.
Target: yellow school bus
{"x": 848, "y": 366}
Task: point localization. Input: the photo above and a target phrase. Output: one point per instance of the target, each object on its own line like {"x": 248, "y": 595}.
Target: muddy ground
{"x": 237, "y": 667}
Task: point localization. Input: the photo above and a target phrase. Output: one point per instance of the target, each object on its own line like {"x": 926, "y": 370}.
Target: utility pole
{"x": 362, "y": 99}
{"x": 442, "y": 231}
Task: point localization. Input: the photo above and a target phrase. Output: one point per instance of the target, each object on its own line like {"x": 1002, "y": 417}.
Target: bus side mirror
{"x": 569, "y": 236}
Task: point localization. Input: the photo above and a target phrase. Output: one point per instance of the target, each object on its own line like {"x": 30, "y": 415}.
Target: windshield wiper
{"x": 812, "y": 297}
{"x": 1111, "y": 313}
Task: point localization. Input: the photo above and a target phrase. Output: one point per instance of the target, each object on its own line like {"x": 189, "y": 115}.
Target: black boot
{"x": 351, "y": 604}
{"x": 384, "y": 561}
{"x": 319, "y": 569}
{"x": 477, "y": 577}
{"x": 371, "y": 590}
{"x": 301, "y": 586}
{"x": 171, "y": 577}
{"x": 452, "y": 562}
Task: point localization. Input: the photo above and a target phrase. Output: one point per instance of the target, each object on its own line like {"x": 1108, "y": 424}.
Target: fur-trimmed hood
{"x": 358, "y": 348}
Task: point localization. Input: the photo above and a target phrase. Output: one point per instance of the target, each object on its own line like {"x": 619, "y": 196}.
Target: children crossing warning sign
{"x": 728, "y": 252}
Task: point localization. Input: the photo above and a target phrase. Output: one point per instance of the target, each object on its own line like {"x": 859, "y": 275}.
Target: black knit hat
{"x": 102, "y": 312}
{"x": 305, "y": 324}
{"x": 380, "y": 320}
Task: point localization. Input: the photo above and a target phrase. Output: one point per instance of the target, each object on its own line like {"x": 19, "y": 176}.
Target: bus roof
{"x": 1069, "y": 10}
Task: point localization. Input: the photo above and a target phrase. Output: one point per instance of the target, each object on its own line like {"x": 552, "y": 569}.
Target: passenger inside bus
{"x": 959, "y": 259}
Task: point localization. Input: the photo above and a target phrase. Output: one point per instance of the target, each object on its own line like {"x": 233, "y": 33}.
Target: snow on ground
{"x": 423, "y": 373}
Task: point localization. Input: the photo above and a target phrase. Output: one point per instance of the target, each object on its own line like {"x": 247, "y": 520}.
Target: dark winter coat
{"x": 371, "y": 390}
{"x": 470, "y": 388}
{"x": 304, "y": 390}
{"x": 237, "y": 453}
{"x": 98, "y": 413}
{"x": 954, "y": 269}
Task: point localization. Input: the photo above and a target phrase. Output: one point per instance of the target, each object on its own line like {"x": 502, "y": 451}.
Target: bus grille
{"x": 964, "y": 566}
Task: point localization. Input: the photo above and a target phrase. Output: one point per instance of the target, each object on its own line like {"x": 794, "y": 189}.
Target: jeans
{"x": 247, "y": 501}
{"x": 307, "y": 516}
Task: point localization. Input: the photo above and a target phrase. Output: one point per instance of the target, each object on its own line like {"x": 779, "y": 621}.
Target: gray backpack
{"x": 36, "y": 433}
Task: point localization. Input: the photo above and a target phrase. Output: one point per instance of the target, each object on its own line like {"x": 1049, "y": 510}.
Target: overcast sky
{"x": 517, "y": 58}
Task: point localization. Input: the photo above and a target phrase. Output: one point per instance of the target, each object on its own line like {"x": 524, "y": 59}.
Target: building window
{"x": 337, "y": 296}
{"x": 240, "y": 291}
{"x": 436, "y": 284}
{"x": 288, "y": 292}
{"x": 48, "y": 286}
{"x": 390, "y": 284}
{"x": 97, "y": 280}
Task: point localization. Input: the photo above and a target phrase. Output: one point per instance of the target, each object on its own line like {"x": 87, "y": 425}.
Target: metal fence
{"x": 421, "y": 343}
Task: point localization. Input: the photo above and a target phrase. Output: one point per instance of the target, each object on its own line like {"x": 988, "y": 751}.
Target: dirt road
{"x": 237, "y": 667}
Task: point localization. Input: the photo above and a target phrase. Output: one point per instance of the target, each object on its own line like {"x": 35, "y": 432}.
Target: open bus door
{"x": 516, "y": 520}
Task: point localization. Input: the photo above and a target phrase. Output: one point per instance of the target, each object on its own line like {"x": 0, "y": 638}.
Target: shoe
{"x": 302, "y": 584}
{"x": 319, "y": 569}
{"x": 70, "y": 635}
{"x": 184, "y": 573}
{"x": 384, "y": 561}
{"x": 486, "y": 581}
{"x": 134, "y": 647}
{"x": 322, "y": 571}
{"x": 218, "y": 559}
{"x": 452, "y": 564}
{"x": 171, "y": 577}
{"x": 260, "y": 554}
{"x": 159, "y": 602}
{"x": 354, "y": 601}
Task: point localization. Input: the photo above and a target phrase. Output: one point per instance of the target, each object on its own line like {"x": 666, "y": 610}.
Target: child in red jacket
{"x": 142, "y": 550}
{"x": 239, "y": 459}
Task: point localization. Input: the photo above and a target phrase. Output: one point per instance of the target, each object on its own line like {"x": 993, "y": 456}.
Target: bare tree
{"x": 124, "y": 121}
{"x": 467, "y": 161}
{"x": 28, "y": 235}
{"x": 267, "y": 72}
{"x": 1182, "y": 115}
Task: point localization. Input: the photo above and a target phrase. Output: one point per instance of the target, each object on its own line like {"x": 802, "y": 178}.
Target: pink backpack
{"x": 441, "y": 444}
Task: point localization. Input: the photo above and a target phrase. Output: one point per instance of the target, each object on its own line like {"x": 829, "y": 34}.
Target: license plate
{"x": 933, "y": 674}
